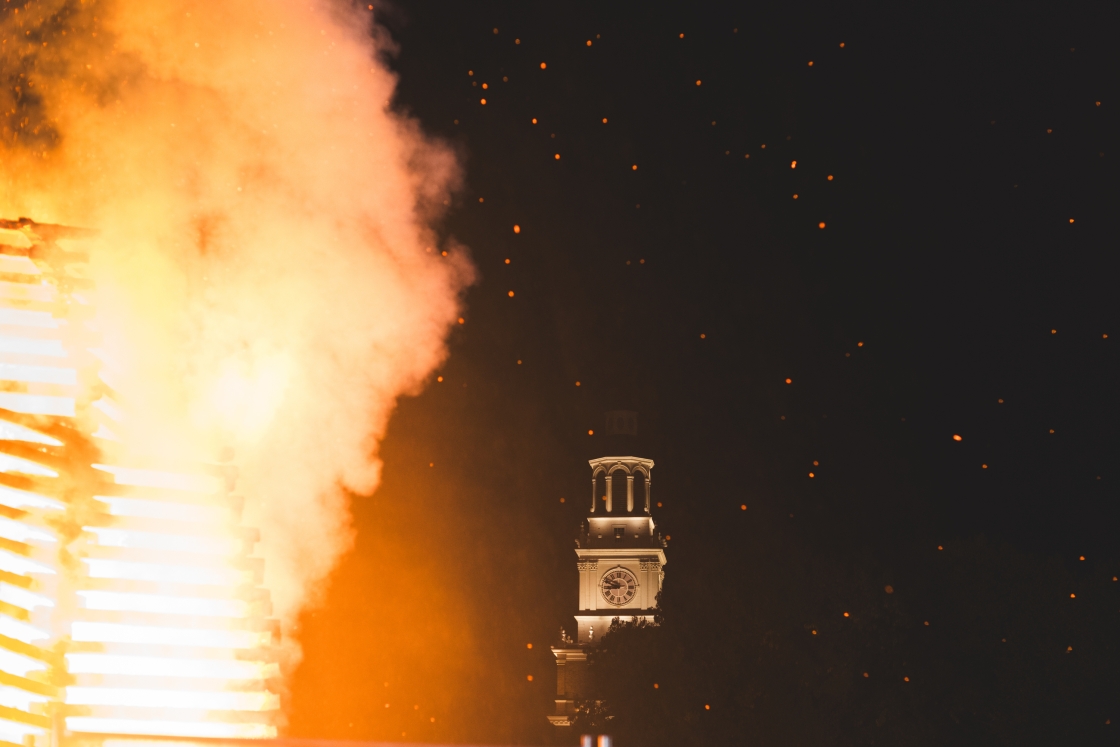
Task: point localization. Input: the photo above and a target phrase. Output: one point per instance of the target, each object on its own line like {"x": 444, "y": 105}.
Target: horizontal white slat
{"x": 174, "y": 574}
{"x": 18, "y": 664}
{"x": 20, "y": 630}
{"x": 9, "y": 463}
{"x": 120, "y": 633}
{"x": 18, "y": 265}
{"x": 17, "y": 596}
{"x": 38, "y": 374}
{"x": 206, "y": 544}
{"x": 19, "y": 565}
{"x": 213, "y": 729}
{"x": 14, "y": 432}
{"x": 165, "y": 510}
{"x": 164, "y": 604}
{"x": 14, "y": 697}
{"x": 13, "y": 498}
{"x": 28, "y": 318}
{"x": 32, "y": 346}
{"x": 146, "y": 698}
{"x": 38, "y": 404}
{"x": 231, "y": 669}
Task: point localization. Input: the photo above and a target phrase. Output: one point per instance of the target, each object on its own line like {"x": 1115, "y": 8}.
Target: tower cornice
{"x": 629, "y": 463}
{"x": 605, "y": 553}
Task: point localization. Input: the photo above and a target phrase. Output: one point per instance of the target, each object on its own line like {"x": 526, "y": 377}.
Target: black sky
{"x": 963, "y": 284}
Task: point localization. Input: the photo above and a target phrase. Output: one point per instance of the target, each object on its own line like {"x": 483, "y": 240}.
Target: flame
{"x": 262, "y": 284}
{"x": 262, "y": 279}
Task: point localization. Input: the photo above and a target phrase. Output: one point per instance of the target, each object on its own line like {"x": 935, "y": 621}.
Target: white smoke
{"x": 268, "y": 273}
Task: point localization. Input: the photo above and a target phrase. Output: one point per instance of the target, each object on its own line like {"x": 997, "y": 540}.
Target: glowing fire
{"x": 262, "y": 283}
{"x": 141, "y": 578}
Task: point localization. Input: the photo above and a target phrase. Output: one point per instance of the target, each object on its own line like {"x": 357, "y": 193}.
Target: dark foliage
{"x": 593, "y": 716}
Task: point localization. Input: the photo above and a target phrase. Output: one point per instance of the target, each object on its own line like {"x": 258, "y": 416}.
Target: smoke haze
{"x": 268, "y": 274}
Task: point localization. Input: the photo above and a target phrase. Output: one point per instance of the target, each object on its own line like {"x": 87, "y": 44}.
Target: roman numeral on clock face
{"x": 619, "y": 586}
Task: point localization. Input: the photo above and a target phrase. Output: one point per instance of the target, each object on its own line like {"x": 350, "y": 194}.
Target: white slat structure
{"x": 130, "y": 599}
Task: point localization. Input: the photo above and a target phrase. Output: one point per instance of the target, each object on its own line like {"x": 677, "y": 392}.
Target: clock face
{"x": 619, "y": 586}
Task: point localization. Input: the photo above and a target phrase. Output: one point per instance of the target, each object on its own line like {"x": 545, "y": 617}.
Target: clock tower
{"x": 619, "y": 557}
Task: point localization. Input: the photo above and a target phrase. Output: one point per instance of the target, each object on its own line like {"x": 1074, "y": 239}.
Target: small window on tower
{"x": 618, "y": 532}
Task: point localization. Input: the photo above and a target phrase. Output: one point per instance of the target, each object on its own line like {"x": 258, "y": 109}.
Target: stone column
{"x": 587, "y": 586}
{"x": 651, "y": 573}
{"x": 629, "y": 493}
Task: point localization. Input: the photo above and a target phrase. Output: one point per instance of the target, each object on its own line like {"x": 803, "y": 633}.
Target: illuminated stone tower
{"x": 619, "y": 556}
{"x": 130, "y": 600}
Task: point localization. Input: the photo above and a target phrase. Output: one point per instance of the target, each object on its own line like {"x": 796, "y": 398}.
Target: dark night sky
{"x": 963, "y": 283}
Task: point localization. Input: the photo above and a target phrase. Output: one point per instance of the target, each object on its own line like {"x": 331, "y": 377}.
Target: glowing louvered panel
{"x": 130, "y": 602}
{"x": 233, "y": 669}
{"x": 166, "y": 728}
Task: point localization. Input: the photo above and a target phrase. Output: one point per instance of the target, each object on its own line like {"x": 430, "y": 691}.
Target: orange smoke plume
{"x": 268, "y": 274}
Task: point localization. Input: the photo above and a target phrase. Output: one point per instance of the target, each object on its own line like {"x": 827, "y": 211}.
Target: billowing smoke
{"x": 269, "y": 279}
